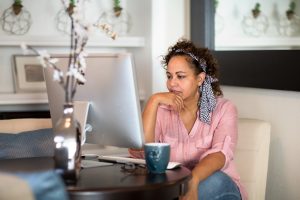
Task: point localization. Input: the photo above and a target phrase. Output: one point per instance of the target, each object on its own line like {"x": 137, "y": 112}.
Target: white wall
{"x": 280, "y": 108}
{"x": 141, "y": 12}
{"x": 169, "y": 23}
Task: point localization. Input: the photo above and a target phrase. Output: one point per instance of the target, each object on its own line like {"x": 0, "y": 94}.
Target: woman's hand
{"x": 192, "y": 193}
{"x": 171, "y": 99}
{"x": 136, "y": 153}
{"x": 150, "y": 111}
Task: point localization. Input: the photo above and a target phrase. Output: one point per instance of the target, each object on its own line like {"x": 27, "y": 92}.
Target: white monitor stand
{"x": 81, "y": 109}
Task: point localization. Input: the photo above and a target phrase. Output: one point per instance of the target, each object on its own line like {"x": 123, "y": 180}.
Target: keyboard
{"x": 120, "y": 159}
{"x": 93, "y": 163}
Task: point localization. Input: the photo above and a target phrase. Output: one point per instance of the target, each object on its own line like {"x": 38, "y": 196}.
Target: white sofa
{"x": 19, "y": 125}
{"x": 252, "y": 155}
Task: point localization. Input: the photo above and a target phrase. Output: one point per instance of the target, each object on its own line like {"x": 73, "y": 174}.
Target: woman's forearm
{"x": 150, "y": 111}
{"x": 203, "y": 169}
{"x": 207, "y": 166}
{"x": 149, "y": 119}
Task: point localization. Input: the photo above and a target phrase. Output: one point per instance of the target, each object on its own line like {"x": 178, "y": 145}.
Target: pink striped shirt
{"x": 189, "y": 148}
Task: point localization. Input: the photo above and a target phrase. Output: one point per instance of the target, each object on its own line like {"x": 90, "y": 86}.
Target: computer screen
{"x": 111, "y": 90}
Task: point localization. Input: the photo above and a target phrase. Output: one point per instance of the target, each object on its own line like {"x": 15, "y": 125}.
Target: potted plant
{"x": 117, "y": 8}
{"x": 17, "y": 6}
{"x": 291, "y": 11}
{"x": 256, "y": 10}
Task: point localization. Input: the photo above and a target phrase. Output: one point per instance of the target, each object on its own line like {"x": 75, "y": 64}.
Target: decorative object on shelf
{"x": 290, "y": 13}
{"x": 118, "y": 18}
{"x": 289, "y": 23}
{"x": 62, "y": 18}
{"x": 62, "y": 21}
{"x": 117, "y": 8}
{"x": 256, "y": 23}
{"x": 16, "y": 20}
{"x": 28, "y": 74}
{"x": 67, "y": 133}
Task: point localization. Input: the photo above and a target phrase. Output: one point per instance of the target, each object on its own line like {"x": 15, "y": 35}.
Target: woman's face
{"x": 181, "y": 78}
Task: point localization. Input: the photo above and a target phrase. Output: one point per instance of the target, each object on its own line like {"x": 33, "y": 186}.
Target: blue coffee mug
{"x": 157, "y": 156}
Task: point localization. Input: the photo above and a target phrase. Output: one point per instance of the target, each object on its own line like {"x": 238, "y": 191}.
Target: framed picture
{"x": 28, "y": 74}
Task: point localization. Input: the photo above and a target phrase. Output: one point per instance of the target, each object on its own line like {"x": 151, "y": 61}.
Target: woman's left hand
{"x": 192, "y": 193}
{"x": 136, "y": 153}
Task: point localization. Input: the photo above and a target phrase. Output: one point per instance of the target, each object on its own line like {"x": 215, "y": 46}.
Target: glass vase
{"x": 289, "y": 25}
{"x": 67, "y": 139}
{"x": 255, "y": 24}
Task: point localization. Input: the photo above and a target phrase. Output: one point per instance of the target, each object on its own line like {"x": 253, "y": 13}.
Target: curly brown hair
{"x": 186, "y": 48}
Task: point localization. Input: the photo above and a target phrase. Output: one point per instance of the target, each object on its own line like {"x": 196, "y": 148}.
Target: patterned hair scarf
{"x": 208, "y": 100}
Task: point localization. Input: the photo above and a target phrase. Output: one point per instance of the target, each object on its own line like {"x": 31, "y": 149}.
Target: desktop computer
{"x": 107, "y": 104}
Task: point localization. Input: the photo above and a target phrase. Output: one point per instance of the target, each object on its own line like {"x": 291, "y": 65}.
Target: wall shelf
{"x": 23, "y": 98}
{"x": 33, "y": 98}
{"x": 63, "y": 41}
{"x": 259, "y": 43}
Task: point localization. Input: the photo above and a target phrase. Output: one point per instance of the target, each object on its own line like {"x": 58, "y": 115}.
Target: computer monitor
{"x": 111, "y": 90}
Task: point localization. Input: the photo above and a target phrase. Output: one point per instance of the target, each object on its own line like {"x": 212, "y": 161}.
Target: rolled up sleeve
{"x": 224, "y": 133}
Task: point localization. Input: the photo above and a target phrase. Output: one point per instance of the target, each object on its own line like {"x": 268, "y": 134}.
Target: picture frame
{"x": 28, "y": 74}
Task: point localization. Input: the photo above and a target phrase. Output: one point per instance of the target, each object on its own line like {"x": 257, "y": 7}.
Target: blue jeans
{"x": 218, "y": 186}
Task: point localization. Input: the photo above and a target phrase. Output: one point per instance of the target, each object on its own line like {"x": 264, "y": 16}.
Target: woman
{"x": 197, "y": 122}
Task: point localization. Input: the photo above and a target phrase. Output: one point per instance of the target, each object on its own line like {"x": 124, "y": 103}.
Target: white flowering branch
{"x": 78, "y": 40}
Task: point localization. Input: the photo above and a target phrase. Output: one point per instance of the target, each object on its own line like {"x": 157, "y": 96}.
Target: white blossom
{"x": 53, "y": 60}
{"x": 79, "y": 77}
{"x": 107, "y": 29}
{"x": 24, "y": 48}
{"x": 82, "y": 61}
{"x": 42, "y": 61}
{"x": 71, "y": 70}
{"x": 76, "y": 74}
{"x": 44, "y": 54}
{"x": 57, "y": 75}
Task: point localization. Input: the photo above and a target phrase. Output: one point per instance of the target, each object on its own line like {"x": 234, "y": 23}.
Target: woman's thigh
{"x": 218, "y": 186}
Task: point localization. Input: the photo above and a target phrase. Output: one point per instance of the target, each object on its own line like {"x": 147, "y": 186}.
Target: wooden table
{"x": 112, "y": 182}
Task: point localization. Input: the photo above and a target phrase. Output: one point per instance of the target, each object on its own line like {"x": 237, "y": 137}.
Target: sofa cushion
{"x": 252, "y": 155}
{"x": 36, "y": 143}
{"x": 15, "y": 126}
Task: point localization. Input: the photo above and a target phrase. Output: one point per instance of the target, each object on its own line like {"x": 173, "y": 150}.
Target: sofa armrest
{"x": 26, "y": 124}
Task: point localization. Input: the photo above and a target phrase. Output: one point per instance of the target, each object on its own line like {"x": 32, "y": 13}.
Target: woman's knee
{"x": 218, "y": 186}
